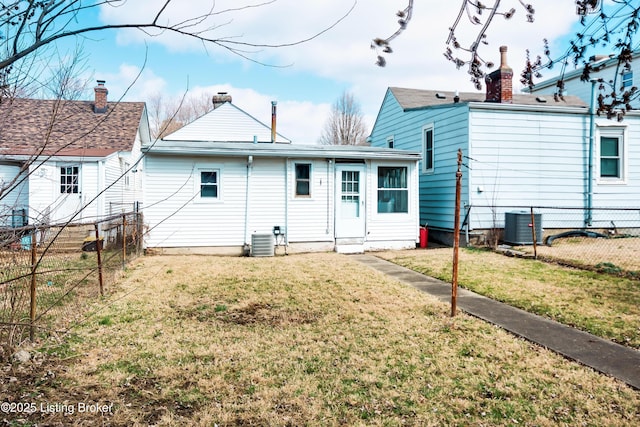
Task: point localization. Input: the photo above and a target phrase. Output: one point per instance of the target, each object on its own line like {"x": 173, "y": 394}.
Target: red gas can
{"x": 424, "y": 237}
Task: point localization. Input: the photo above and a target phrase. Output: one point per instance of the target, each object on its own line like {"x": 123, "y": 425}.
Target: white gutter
{"x": 544, "y": 108}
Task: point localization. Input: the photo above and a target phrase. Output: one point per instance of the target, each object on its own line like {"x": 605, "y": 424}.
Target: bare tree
{"x": 345, "y": 125}
{"x": 611, "y": 24}
{"x": 169, "y": 114}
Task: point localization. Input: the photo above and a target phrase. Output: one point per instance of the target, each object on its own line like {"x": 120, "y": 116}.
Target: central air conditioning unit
{"x": 517, "y": 228}
{"x": 263, "y": 245}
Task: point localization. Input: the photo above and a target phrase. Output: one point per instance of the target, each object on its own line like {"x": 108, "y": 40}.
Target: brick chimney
{"x": 220, "y": 99}
{"x": 499, "y": 83}
{"x": 100, "y": 102}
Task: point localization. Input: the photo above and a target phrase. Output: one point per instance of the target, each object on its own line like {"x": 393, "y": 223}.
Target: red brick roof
{"x": 67, "y": 128}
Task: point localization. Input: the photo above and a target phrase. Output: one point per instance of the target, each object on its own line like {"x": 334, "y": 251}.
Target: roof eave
{"x": 297, "y": 152}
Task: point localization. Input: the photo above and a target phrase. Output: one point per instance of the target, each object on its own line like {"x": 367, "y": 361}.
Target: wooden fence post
{"x": 99, "y": 256}
{"x": 32, "y": 311}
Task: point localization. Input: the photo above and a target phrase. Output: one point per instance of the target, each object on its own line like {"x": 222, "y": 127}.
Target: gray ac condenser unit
{"x": 517, "y": 228}
{"x": 263, "y": 245}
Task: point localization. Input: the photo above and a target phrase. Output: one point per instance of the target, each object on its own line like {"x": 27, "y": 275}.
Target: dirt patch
{"x": 267, "y": 314}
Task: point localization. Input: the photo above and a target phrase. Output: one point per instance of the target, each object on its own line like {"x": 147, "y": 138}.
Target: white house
{"x": 215, "y": 187}
{"x": 519, "y": 151}
{"x": 69, "y": 161}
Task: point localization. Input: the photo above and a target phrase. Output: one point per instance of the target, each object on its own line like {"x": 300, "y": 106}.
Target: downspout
{"x": 286, "y": 203}
{"x": 592, "y": 130}
{"x": 246, "y": 206}
{"x": 329, "y": 162}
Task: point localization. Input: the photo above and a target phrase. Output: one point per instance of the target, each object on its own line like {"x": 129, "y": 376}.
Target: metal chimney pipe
{"x": 273, "y": 121}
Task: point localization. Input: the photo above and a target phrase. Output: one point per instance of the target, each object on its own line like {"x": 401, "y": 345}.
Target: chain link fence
{"x": 600, "y": 239}
{"x": 48, "y": 274}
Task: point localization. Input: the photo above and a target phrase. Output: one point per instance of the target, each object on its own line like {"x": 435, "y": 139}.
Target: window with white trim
{"x": 209, "y": 184}
{"x": 393, "y": 191}
{"x": 611, "y": 155}
{"x": 428, "y": 158}
{"x": 390, "y": 142}
{"x": 303, "y": 180}
{"x": 126, "y": 176}
{"x": 69, "y": 180}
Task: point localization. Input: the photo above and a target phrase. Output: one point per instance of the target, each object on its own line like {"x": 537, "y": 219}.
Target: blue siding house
{"x": 518, "y": 151}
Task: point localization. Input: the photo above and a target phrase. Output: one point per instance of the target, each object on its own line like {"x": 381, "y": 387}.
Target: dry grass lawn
{"x": 602, "y": 304}
{"x": 314, "y": 340}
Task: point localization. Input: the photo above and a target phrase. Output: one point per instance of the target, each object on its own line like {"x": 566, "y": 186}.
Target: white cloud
{"x": 131, "y": 83}
{"x": 343, "y": 54}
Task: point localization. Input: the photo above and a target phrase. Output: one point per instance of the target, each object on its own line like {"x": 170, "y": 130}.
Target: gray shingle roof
{"x": 417, "y": 98}
{"x": 67, "y": 128}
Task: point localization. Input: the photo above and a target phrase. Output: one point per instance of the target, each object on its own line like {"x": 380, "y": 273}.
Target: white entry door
{"x": 69, "y": 192}
{"x": 350, "y": 202}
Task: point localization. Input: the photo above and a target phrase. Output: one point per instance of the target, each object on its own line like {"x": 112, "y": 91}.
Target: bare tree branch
{"x": 29, "y": 26}
{"x": 614, "y": 26}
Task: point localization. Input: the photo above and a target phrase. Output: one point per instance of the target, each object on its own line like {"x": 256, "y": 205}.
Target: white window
{"x": 393, "y": 192}
{"x": 207, "y": 184}
{"x": 611, "y": 155}
{"x": 303, "y": 180}
{"x": 390, "y": 142}
{"x": 428, "y": 158}
{"x": 126, "y": 175}
{"x": 69, "y": 180}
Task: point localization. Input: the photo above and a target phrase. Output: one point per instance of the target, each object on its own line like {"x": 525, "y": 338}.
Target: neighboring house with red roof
{"x": 72, "y": 161}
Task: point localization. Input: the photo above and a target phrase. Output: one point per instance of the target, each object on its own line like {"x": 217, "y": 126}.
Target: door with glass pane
{"x": 350, "y": 203}
{"x": 69, "y": 200}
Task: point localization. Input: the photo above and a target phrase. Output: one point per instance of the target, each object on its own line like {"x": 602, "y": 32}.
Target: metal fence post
{"x": 32, "y": 311}
{"x": 99, "y": 256}
{"x": 456, "y": 238}
{"x": 533, "y": 231}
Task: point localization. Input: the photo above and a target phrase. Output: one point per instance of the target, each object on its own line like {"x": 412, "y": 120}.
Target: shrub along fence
{"x": 603, "y": 239}
{"x": 49, "y": 273}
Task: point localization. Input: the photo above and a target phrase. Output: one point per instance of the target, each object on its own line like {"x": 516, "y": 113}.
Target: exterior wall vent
{"x": 517, "y": 228}
{"x": 263, "y": 245}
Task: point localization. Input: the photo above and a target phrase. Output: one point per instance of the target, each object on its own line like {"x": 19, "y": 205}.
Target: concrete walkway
{"x": 602, "y": 355}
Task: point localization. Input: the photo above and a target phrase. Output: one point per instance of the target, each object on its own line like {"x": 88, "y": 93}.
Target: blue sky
{"x": 316, "y": 72}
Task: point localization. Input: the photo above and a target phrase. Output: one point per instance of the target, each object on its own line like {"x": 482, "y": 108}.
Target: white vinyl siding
{"x": 391, "y": 229}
